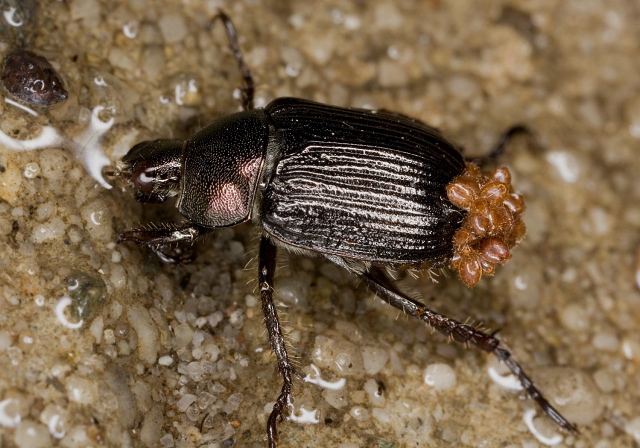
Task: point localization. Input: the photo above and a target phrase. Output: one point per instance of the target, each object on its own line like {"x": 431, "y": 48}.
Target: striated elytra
{"x": 368, "y": 190}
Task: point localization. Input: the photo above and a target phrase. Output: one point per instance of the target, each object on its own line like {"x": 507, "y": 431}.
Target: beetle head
{"x": 154, "y": 169}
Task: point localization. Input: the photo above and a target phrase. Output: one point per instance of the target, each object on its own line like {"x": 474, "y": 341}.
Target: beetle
{"x": 368, "y": 190}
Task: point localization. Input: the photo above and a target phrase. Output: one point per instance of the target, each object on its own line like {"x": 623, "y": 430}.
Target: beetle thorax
{"x": 221, "y": 167}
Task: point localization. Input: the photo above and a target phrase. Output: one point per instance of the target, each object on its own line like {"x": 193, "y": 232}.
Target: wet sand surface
{"x": 101, "y": 344}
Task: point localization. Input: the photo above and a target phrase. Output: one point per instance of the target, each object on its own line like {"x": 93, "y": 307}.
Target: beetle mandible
{"x": 368, "y": 190}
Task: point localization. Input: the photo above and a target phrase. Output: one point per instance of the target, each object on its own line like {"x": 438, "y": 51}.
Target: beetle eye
{"x": 144, "y": 177}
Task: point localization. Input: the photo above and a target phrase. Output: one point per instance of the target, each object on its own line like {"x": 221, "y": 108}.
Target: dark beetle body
{"x": 359, "y": 184}
{"x": 366, "y": 189}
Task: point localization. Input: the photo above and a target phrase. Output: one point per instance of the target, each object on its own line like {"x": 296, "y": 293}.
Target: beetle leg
{"x": 177, "y": 254}
{"x": 504, "y": 141}
{"x": 167, "y": 234}
{"x": 378, "y": 282}
{"x": 159, "y": 240}
{"x": 248, "y": 88}
{"x": 266, "y": 266}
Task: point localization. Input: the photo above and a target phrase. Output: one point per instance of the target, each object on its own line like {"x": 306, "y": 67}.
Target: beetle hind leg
{"x": 266, "y": 269}
{"x": 378, "y": 282}
{"x": 503, "y": 142}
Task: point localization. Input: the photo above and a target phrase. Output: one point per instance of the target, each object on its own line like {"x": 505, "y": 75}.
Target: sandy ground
{"x": 103, "y": 345}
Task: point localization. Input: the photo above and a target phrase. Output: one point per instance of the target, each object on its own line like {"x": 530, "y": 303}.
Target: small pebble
{"x": 359, "y": 413}
{"x": 82, "y": 390}
{"x": 606, "y": 341}
{"x": 205, "y": 399}
{"x": 195, "y": 370}
{"x": 33, "y": 435}
{"x": 382, "y": 415}
{"x": 85, "y": 10}
{"x": 336, "y": 398}
{"x": 374, "y": 359}
{"x": 167, "y": 441}
{"x": 575, "y": 317}
{"x": 604, "y": 380}
{"x": 55, "y": 417}
{"x": 633, "y": 428}
{"x": 342, "y": 357}
{"x": 440, "y": 376}
{"x": 50, "y": 230}
{"x": 173, "y": 28}
{"x": 186, "y": 401}
{"x": 152, "y": 61}
{"x": 152, "y": 426}
{"x": 31, "y": 170}
{"x": 374, "y": 392}
{"x": 10, "y": 412}
{"x": 147, "y": 332}
{"x": 233, "y": 402}
{"x": 631, "y": 348}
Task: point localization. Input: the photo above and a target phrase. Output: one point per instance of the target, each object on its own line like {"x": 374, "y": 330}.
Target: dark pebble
{"x": 31, "y": 79}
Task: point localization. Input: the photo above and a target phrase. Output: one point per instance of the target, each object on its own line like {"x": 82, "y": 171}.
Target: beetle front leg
{"x": 266, "y": 266}
{"x": 167, "y": 234}
{"x": 378, "y": 282}
{"x": 159, "y": 240}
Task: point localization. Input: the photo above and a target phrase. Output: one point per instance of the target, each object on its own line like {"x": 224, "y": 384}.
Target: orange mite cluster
{"x": 493, "y": 225}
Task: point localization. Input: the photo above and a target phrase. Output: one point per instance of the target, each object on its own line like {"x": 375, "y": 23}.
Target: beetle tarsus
{"x": 266, "y": 269}
{"x": 175, "y": 254}
{"x": 378, "y": 282}
{"x": 278, "y": 412}
{"x": 505, "y": 356}
{"x": 248, "y": 88}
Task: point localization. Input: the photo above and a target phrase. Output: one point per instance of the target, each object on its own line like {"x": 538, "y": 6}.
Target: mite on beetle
{"x": 368, "y": 190}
